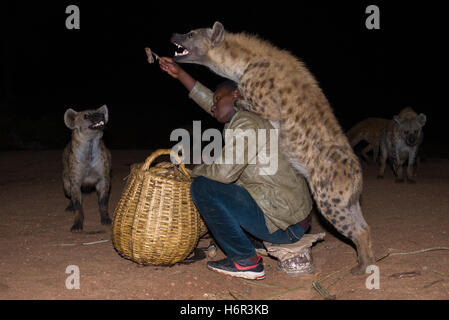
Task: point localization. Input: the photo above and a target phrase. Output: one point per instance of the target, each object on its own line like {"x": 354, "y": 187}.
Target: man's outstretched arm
{"x": 197, "y": 92}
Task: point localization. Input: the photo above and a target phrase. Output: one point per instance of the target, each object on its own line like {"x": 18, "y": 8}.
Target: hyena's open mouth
{"x": 179, "y": 41}
{"x": 97, "y": 125}
{"x": 184, "y": 50}
{"x": 97, "y": 120}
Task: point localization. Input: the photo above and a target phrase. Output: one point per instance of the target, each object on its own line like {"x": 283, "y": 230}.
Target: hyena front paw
{"x": 70, "y": 207}
{"x": 106, "y": 220}
{"x": 77, "y": 227}
{"x": 358, "y": 269}
{"x": 411, "y": 181}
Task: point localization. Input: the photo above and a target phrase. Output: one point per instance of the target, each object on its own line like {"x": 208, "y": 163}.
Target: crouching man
{"x": 242, "y": 201}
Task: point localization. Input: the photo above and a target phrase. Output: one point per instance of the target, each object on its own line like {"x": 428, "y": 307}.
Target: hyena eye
{"x": 190, "y": 35}
{"x": 406, "y": 131}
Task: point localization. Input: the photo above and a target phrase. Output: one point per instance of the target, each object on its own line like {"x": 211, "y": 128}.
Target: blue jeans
{"x": 228, "y": 211}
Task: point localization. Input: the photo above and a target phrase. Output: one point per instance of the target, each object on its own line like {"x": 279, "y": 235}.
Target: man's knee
{"x": 199, "y": 188}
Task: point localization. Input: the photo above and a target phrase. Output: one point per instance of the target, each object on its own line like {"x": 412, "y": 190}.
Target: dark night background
{"x": 47, "y": 68}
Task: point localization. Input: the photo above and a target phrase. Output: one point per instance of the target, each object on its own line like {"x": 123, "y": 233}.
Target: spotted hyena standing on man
{"x": 278, "y": 87}
{"x": 86, "y": 162}
{"x": 400, "y": 141}
{"x": 368, "y": 130}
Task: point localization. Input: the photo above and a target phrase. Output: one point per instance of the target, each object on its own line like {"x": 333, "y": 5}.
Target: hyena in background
{"x": 86, "y": 162}
{"x": 277, "y": 86}
{"x": 368, "y": 130}
{"x": 400, "y": 141}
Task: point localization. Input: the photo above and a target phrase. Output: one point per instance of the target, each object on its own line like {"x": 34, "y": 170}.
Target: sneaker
{"x": 298, "y": 265}
{"x": 240, "y": 268}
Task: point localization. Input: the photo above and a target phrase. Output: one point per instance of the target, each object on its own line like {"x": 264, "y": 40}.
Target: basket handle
{"x": 161, "y": 152}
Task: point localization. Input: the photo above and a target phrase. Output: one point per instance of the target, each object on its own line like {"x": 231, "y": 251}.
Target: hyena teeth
{"x": 181, "y": 54}
{"x": 185, "y": 52}
{"x": 98, "y": 124}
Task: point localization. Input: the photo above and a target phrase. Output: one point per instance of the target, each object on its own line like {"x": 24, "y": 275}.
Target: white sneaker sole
{"x": 251, "y": 275}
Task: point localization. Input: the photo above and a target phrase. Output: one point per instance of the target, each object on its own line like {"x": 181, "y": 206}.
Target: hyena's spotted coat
{"x": 277, "y": 86}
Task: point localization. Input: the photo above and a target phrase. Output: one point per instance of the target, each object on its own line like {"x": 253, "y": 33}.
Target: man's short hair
{"x": 228, "y": 84}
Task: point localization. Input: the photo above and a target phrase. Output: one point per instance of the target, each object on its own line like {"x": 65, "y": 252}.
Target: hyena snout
{"x": 97, "y": 120}
{"x": 194, "y": 46}
{"x": 411, "y": 139}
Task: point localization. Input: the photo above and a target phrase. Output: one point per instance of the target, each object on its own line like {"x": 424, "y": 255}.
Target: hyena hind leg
{"x": 349, "y": 221}
{"x": 364, "y": 153}
{"x": 382, "y": 161}
{"x": 361, "y": 236}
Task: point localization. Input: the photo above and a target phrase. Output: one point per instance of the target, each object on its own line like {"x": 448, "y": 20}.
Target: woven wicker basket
{"x": 156, "y": 221}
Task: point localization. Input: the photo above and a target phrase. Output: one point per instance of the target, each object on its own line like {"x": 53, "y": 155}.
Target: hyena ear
{"x": 217, "y": 34}
{"x": 69, "y": 118}
{"x": 104, "y": 109}
{"x": 422, "y": 119}
{"x": 397, "y": 119}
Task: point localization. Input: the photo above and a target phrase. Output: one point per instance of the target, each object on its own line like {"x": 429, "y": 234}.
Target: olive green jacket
{"x": 282, "y": 194}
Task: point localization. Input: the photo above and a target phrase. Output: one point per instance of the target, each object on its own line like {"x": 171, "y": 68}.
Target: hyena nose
{"x": 411, "y": 139}
{"x": 94, "y": 117}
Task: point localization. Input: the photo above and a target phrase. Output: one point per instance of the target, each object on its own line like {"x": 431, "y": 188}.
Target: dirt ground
{"x": 36, "y": 245}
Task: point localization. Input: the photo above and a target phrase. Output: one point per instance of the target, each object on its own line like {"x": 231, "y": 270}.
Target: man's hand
{"x": 171, "y": 67}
